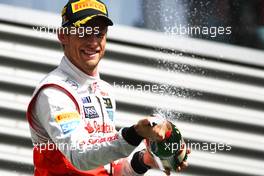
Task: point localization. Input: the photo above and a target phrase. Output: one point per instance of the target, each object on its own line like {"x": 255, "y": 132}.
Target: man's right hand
{"x": 155, "y": 133}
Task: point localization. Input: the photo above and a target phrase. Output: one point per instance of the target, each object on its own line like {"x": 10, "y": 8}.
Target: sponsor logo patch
{"x": 90, "y": 112}
{"x": 110, "y": 115}
{"x": 95, "y": 127}
{"x": 86, "y": 100}
{"x": 108, "y": 103}
{"x": 69, "y": 126}
{"x": 67, "y": 116}
{"x": 88, "y": 4}
{"x": 95, "y": 88}
{"x": 96, "y": 140}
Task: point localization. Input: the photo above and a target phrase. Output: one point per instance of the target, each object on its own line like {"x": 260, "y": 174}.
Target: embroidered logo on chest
{"x": 90, "y": 112}
{"x": 86, "y": 100}
{"x": 108, "y": 103}
{"x": 95, "y": 127}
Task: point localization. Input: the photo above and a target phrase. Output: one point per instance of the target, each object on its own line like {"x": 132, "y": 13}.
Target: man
{"x": 71, "y": 114}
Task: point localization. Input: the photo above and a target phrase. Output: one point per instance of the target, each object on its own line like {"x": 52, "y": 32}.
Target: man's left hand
{"x": 149, "y": 160}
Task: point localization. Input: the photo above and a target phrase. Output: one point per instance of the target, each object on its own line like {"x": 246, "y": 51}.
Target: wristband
{"x": 131, "y": 136}
{"x": 138, "y": 164}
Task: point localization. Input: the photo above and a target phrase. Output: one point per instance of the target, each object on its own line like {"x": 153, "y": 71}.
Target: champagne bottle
{"x": 170, "y": 152}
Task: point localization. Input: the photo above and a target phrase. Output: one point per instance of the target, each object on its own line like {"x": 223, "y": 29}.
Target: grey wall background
{"x": 245, "y": 17}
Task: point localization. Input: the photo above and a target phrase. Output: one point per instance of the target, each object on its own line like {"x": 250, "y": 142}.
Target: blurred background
{"x": 162, "y": 56}
{"x": 245, "y": 17}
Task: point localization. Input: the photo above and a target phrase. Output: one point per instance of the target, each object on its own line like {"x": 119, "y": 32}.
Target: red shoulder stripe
{"x": 32, "y": 102}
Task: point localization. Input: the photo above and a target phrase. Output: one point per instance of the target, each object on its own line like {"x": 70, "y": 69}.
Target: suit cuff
{"x": 131, "y": 136}
{"x": 138, "y": 164}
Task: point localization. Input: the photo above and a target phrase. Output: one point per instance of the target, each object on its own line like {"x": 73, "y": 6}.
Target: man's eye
{"x": 100, "y": 35}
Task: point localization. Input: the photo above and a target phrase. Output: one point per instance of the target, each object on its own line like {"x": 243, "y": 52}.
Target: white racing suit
{"x": 72, "y": 124}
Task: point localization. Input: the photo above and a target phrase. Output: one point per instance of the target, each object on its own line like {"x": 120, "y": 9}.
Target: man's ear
{"x": 62, "y": 36}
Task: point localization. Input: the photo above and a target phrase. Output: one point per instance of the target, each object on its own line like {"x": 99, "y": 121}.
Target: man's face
{"x": 86, "y": 50}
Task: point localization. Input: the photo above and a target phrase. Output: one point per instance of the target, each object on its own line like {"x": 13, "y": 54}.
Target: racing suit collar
{"x": 76, "y": 74}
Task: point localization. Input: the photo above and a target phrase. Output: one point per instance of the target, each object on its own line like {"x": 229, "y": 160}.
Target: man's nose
{"x": 92, "y": 39}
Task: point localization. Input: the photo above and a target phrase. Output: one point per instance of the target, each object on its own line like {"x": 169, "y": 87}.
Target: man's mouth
{"x": 89, "y": 53}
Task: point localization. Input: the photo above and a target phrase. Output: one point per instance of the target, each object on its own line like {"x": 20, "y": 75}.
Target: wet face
{"x": 85, "y": 51}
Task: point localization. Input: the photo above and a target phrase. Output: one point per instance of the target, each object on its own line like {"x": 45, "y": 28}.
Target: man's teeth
{"x": 89, "y": 52}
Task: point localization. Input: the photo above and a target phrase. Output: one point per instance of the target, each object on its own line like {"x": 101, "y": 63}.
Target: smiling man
{"x": 85, "y": 49}
{"x": 72, "y": 111}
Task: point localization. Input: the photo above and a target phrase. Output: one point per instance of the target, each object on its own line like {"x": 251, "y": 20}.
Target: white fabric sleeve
{"x": 123, "y": 166}
{"x": 49, "y": 105}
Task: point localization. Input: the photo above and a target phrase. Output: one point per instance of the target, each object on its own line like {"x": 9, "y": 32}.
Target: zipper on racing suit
{"x": 99, "y": 98}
